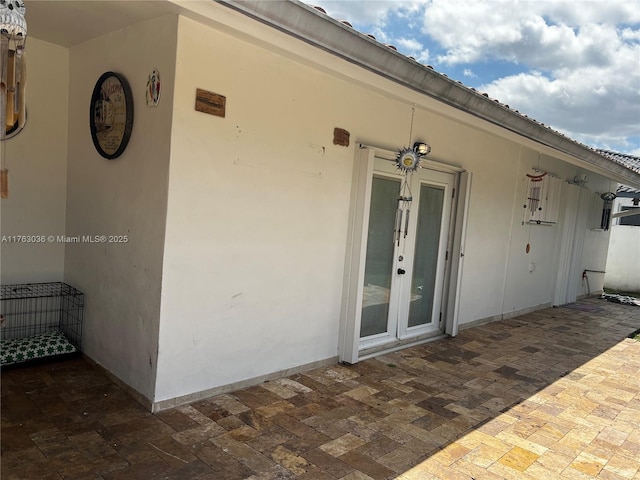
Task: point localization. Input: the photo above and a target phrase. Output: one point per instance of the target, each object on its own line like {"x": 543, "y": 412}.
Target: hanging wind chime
{"x": 532, "y": 203}
{"x": 605, "y": 220}
{"x": 407, "y": 161}
{"x": 13, "y": 72}
{"x": 13, "y": 76}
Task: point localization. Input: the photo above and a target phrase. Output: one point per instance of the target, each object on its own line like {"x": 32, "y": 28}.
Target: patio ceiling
{"x": 68, "y": 23}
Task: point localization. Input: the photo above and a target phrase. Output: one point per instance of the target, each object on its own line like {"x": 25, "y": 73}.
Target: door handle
{"x": 401, "y": 271}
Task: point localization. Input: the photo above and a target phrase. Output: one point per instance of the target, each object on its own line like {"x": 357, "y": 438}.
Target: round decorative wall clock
{"x": 111, "y": 115}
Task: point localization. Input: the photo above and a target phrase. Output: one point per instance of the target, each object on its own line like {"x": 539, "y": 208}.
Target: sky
{"x": 572, "y": 65}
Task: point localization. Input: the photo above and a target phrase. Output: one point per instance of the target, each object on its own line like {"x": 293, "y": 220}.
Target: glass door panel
{"x": 425, "y": 261}
{"x": 405, "y": 254}
{"x": 380, "y": 256}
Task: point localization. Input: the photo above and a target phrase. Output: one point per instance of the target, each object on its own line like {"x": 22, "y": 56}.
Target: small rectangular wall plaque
{"x": 341, "y": 137}
{"x": 211, "y": 103}
{"x": 4, "y": 183}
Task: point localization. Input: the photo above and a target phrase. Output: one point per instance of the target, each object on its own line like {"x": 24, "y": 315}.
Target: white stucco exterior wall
{"x": 531, "y": 277}
{"x": 124, "y": 196}
{"x": 37, "y": 163}
{"x": 237, "y": 226}
{"x": 256, "y": 223}
{"x": 259, "y": 203}
{"x": 596, "y": 240}
{"x": 258, "y": 212}
{"x": 623, "y": 262}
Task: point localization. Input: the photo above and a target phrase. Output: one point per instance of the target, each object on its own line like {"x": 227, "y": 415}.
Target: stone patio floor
{"x": 553, "y": 394}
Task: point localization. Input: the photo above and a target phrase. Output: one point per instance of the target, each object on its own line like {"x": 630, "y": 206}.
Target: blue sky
{"x": 572, "y": 65}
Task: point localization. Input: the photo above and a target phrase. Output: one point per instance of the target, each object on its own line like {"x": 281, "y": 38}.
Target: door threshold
{"x": 398, "y": 345}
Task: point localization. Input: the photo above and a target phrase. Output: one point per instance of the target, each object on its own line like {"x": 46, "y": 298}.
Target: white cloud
{"x": 628, "y": 34}
{"x": 593, "y": 104}
{"x": 589, "y": 11}
{"x": 580, "y": 59}
{"x": 540, "y": 34}
{"x": 410, "y": 44}
{"x": 412, "y": 48}
{"x": 371, "y": 16}
{"x": 635, "y": 152}
{"x": 366, "y": 12}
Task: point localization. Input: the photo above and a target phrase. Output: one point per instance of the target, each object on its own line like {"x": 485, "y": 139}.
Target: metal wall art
{"x": 153, "y": 89}
{"x": 408, "y": 159}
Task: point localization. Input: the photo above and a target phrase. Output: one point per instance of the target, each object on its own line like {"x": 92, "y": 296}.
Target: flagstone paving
{"x": 554, "y": 394}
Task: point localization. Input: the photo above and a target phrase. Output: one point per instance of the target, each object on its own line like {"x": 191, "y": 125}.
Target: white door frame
{"x": 351, "y": 312}
{"x": 456, "y": 254}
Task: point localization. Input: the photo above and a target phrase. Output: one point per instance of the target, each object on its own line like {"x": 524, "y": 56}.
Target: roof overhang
{"x": 69, "y": 23}
{"x": 313, "y": 27}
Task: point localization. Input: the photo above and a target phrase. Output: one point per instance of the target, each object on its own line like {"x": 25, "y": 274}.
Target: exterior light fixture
{"x": 13, "y": 71}
{"x": 608, "y": 197}
{"x": 421, "y": 148}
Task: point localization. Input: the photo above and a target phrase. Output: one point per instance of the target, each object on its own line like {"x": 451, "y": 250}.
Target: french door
{"x": 405, "y": 252}
{"x": 406, "y": 247}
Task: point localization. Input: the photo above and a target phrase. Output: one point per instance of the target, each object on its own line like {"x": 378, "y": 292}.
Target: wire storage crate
{"x": 40, "y": 320}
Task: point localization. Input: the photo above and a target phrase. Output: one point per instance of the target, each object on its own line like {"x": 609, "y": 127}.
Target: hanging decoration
{"x": 534, "y": 190}
{"x": 13, "y": 71}
{"x": 608, "y": 198}
{"x": 407, "y": 161}
{"x": 153, "y": 89}
{"x": 532, "y": 204}
{"x": 111, "y": 115}
{"x": 404, "y": 205}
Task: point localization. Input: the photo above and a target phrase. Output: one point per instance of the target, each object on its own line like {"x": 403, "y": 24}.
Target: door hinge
{"x": 453, "y": 195}
{"x": 446, "y": 256}
{"x": 440, "y": 320}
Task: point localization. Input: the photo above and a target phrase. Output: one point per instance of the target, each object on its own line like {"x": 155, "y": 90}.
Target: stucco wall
{"x": 623, "y": 262}
{"x": 500, "y": 277}
{"x": 37, "y": 163}
{"x": 259, "y": 203}
{"x": 532, "y": 277}
{"x": 256, "y": 223}
{"x": 124, "y": 196}
{"x": 237, "y": 226}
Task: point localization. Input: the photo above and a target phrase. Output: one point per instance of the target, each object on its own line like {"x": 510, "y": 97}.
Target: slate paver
{"x": 551, "y": 394}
